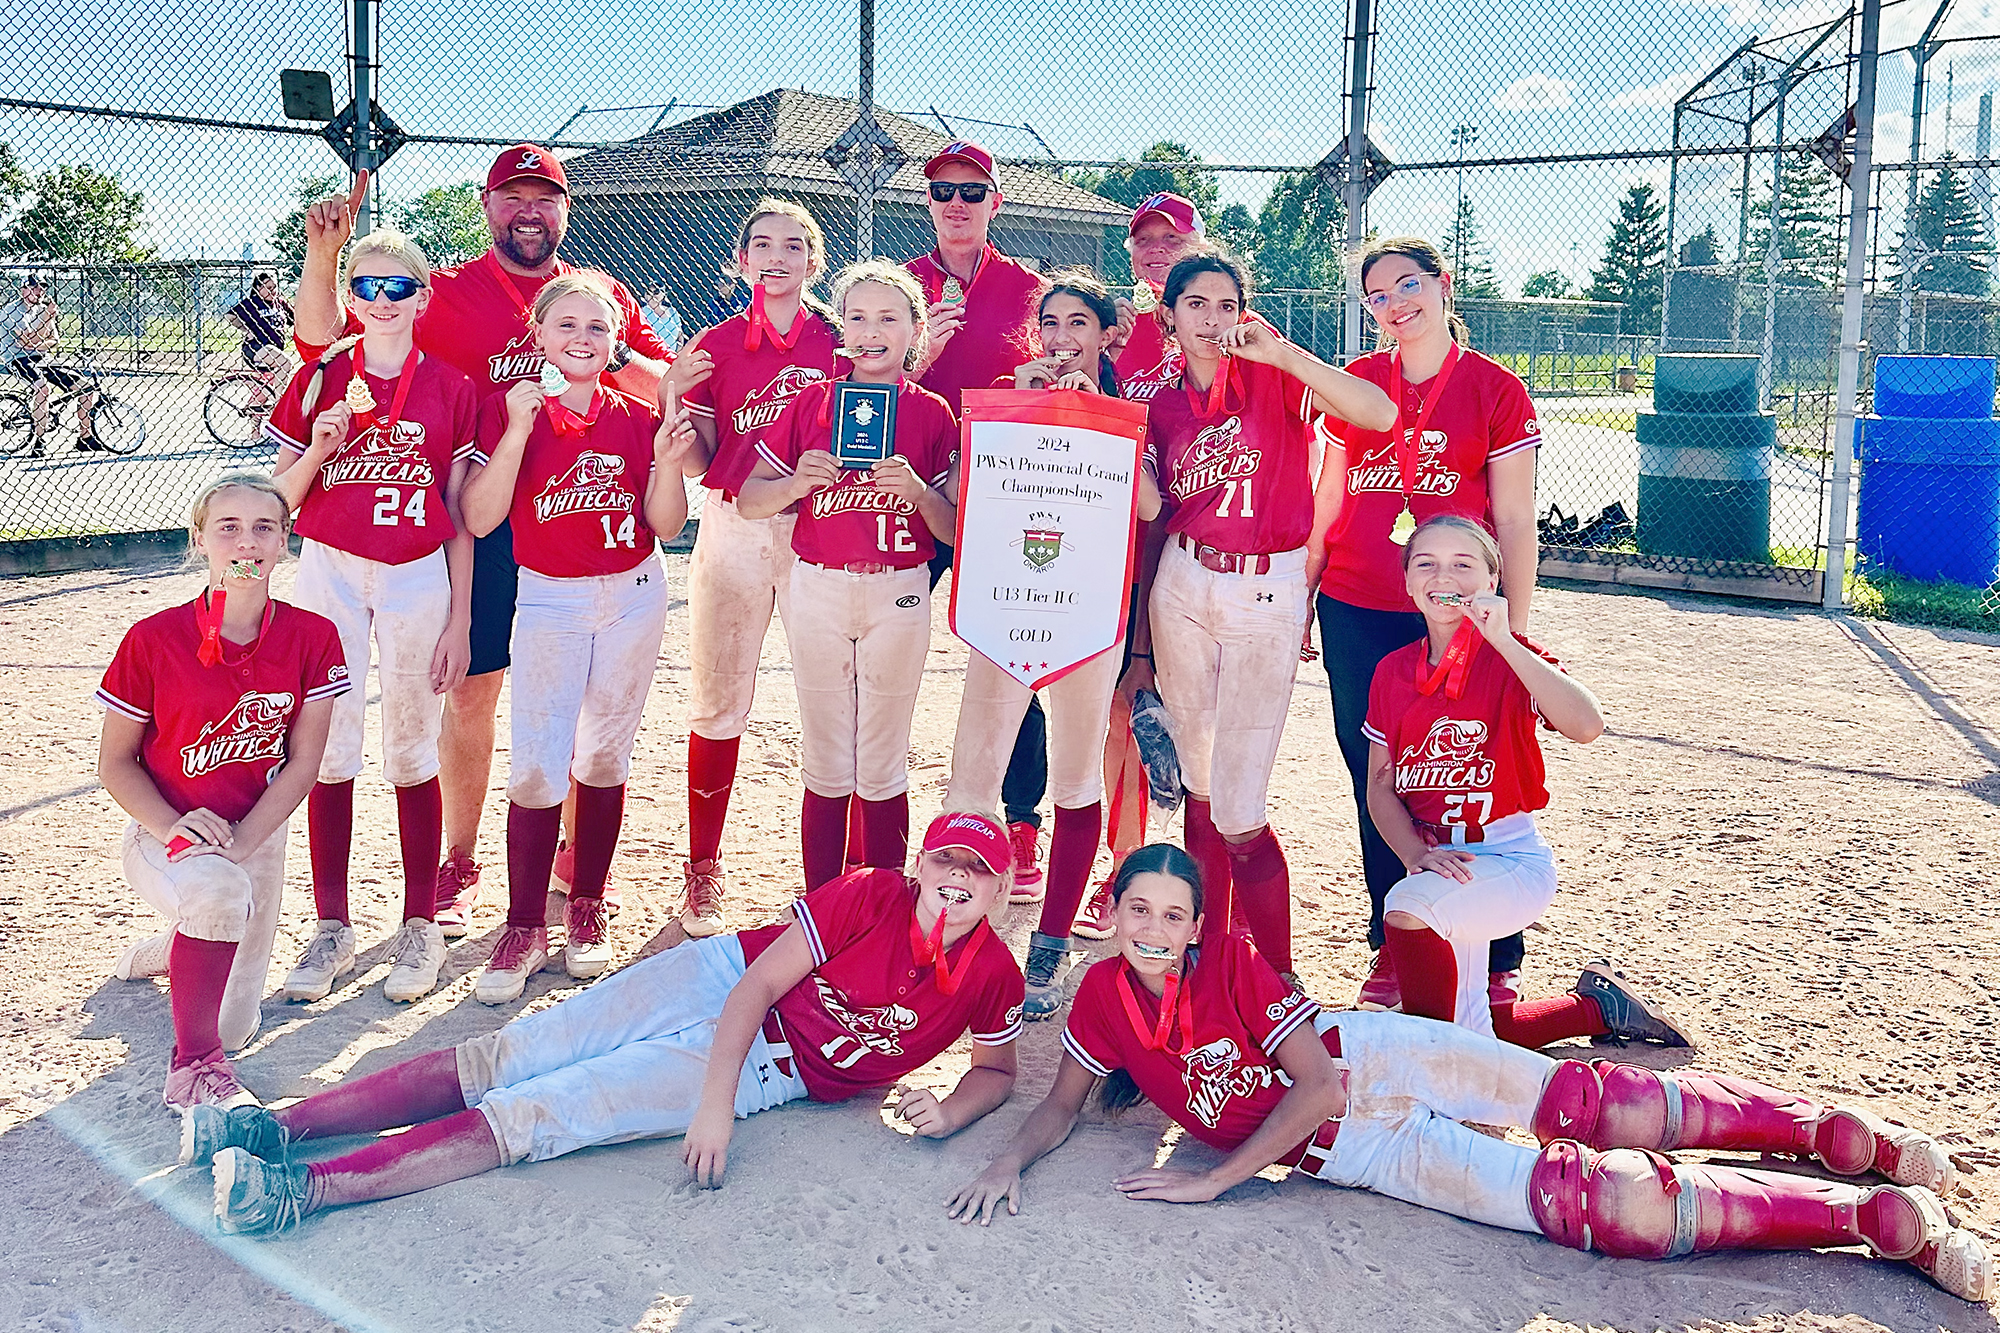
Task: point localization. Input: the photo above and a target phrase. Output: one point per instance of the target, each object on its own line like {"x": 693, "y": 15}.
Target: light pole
{"x": 1461, "y": 136}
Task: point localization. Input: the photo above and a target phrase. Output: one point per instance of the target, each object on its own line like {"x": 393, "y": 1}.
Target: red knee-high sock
{"x": 197, "y": 972}
{"x": 1205, "y": 845}
{"x": 1427, "y": 971}
{"x": 330, "y": 831}
{"x": 857, "y": 836}
{"x": 419, "y": 1159}
{"x": 823, "y": 835}
{"x": 531, "y": 857}
{"x": 1072, "y": 851}
{"x": 420, "y": 827}
{"x": 711, "y": 775}
{"x": 1263, "y": 888}
{"x": 600, "y": 811}
{"x": 885, "y": 827}
{"x": 1536, "y": 1023}
{"x": 407, "y": 1093}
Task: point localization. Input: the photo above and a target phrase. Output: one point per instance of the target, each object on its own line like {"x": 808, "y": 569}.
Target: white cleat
{"x": 519, "y": 953}
{"x": 416, "y": 956}
{"x": 327, "y": 957}
{"x": 145, "y": 959}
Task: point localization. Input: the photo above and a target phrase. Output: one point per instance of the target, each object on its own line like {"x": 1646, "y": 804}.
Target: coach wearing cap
{"x": 1166, "y": 228}
{"x": 477, "y": 320}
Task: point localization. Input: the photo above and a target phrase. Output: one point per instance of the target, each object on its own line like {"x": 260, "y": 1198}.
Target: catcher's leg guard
{"x": 1638, "y": 1205}
{"x": 1608, "y": 1105}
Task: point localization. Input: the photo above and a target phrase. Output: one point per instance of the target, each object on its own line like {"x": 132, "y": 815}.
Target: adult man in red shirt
{"x": 478, "y": 321}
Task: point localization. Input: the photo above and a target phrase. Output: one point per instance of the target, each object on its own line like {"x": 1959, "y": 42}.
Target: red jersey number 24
{"x": 390, "y": 508}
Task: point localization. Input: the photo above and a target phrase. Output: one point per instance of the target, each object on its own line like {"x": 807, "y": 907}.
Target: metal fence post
{"x": 1355, "y": 192}
{"x": 364, "y": 98}
{"x": 1833, "y": 594}
{"x": 864, "y": 201}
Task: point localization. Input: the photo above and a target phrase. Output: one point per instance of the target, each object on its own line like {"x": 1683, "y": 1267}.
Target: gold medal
{"x": 954, "y": 292}
{"x": 1144, "y": 299}
{"x": 358, "y": 398}
{"x": 553, "y": 383}
{"x": 1405, "y": 528}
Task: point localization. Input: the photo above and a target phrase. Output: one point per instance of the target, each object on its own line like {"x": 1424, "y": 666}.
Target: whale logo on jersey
{"x": 254, "y": 730}
{"x": 1212, "y": 458}
{"x": 869, "y": 1028}
{"x": 766, "y": 405}
{"x": 1378, "y": 469}
{"x": 1144, "y": 386}
{"x": 371, "y": 460}
{"x": 591, "y": 486}
{"x": 518, "y": 360}
{"x": 1450, "y": 757}
{"x": 1213, "y": 1075}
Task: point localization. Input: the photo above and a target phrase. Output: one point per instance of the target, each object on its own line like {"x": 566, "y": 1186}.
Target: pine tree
{"x": 1948, "y": 237}
{"x": 1550, "y": 283}
{"x": 1299, "y": 231}
{"x": 1809, "y": 250}
{"x": 1634, "y": 267}
{"x": 1701, "y": 249}
{"x": 1472, "y": 264}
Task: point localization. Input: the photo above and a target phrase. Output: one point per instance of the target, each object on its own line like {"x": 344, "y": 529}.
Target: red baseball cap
{"x": 1180, "y": 212}
{"x": 962, "y": 150}
{"x": 525, "y": 159}
{"x": 982, "y": 835}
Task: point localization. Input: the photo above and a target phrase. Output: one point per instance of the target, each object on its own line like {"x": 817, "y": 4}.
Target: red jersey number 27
{"x": 390, "y": 508}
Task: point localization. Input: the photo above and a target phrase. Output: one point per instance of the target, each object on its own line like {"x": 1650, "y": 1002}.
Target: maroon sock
{"x": 857, "y": 836}
{"x": 1072, "y": 851}
{"x": 1205, "y": 845}
{"x": 823, "y": 833}
{"x": 418, "y": 1159}
{"x": 330, "y": 833}
{"x": 407, "y": 1093}
{"x": 885, "y": 828}
{"x": 1536, "y": 1023}
{"x": 1426, "y": 970}
{"x": 1264, "y": 890}
{"x": 531, "y": 857}
{"x": 599, "y": 813}
{"x": 420, "y": 825}
{"x": 711, "y": 774}
{"x": 197, "y": 972}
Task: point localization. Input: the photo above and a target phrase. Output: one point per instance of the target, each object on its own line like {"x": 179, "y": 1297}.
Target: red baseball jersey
{"x": 999, "y": 331}
{"x": 749, "y": 390}
{"x": 854, "y": 520}
{"x": 216, "y": 736}
{"x": 1224, "y": 1080}
{"x": 869, "y": 1013}
{"x": 1470, "y": 760}
{"x": 579, "y": 505}
{"x": 479, "y": 322}
{"x": 1484, "y": 414}
{"x": 382, "y": 498}
{"x": 1239, "y": 479}
{"x": 1148, "y": 359}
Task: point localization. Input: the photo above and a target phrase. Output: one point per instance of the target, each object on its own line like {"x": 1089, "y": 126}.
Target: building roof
{"x": 777, "y": 141}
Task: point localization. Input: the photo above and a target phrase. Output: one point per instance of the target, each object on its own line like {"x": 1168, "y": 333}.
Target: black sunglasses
{"x": 973, "y": 192}
{"x": 368, "y": 286}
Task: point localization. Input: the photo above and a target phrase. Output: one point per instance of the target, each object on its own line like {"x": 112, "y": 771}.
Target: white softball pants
{"x": 584, "y": 652}
{"x": 859, "y": 642}
{"x": 990, "y": 713}
{"x": 741, "y": 569}
{"x": 405, "y": 607}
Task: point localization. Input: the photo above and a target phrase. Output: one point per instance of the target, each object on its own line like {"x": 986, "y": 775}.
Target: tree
{"x": 288, "y": 238}
{"x": 1701, "y": 250}
{"x": 79, "y": 212}
{"x": 1633, "y": 271}
{"x": 1299, "y": 232}
{"x": 1163, "y": 168}
{"x": 13, "y": 180}
{"x": 1235, "y": 228}
{"x": 1809, "y": 249}
{"x": 1549, "y": 284}
{"x": 1472, "y": 265}
{"x": 448, "y": 222}
{"x": 1946, "y": 240}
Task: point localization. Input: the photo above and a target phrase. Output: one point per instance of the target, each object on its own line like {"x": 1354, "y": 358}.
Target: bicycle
{"x": 239, "y": 402}
{"x": 114, "y": 423}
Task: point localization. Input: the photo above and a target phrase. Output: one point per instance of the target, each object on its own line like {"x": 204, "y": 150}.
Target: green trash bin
{"x": 1705, "y": 461}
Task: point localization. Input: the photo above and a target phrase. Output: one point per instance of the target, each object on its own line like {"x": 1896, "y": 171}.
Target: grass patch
{"x": 1876, "y": 594}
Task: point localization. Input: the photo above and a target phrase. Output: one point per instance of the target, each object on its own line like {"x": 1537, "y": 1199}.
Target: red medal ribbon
{"x": 565, "y": 422}
{"x": 368, "y": 421}
{"x": 1453, "y": 667}
{"x": 1159, "y": 1037}
{"x": 760, "y": 325}
{"x": 522, "y": 304}
{"x": 1406, "y": 441}
{"x": 1217, "y": 398}
{"x": 931, "y": 951}
{"x": 208, "y": 620}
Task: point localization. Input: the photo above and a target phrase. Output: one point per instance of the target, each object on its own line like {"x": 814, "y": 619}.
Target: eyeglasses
{"x": 1406, "y": 290}
{"x": 368, "y": 286}
{"x": 973, "y": 192}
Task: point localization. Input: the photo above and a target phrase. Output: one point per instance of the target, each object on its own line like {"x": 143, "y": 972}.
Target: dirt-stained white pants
{"x": 1225, "y": 649}
{"x": 212, "y": 898}
{"x": 740, "y": 570}
{"x": 859, "y": 642}
{"x": 990, "y": 713}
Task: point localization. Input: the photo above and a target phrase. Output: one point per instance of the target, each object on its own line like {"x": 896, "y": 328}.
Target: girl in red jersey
{"x": 215, "y": 717}
{"x": 585, "y": 478}
{"x": 859, "y": 623}
{"x": 1229, "y": 441}
{"x": 742, "y": 567}
{"x": 873, "y": 976}
{"x": 1256, "y": 1071}
{"x": 1454, "y": 778}
{"x": 1464, "y": 443}
{"x": 374, "y": 442}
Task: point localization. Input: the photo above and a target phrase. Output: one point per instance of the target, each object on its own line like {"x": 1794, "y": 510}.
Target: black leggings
{"x": 1355, "y": 640}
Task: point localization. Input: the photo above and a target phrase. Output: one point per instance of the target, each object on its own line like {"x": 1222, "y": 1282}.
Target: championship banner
{"x": 1047, "y": 497}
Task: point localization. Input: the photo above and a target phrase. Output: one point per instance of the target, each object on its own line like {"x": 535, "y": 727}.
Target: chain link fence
{"x": 1648, "y": 214}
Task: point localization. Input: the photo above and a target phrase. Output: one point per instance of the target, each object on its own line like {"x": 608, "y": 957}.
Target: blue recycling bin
{"x": 1930, "y": 470}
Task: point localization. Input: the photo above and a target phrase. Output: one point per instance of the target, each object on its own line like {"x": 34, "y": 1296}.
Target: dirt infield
{"x": 1790, "y": 833}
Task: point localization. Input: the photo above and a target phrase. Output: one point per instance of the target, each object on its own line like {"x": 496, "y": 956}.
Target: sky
{"x": 1255, "y": 82}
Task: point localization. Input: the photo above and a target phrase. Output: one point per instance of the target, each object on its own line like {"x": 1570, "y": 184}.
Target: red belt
{"x": 1440, "y": 835}
{"x": 858, "y": 567}
{"x": 1313, "y": 1158}
{"x": 1224, "y": 562}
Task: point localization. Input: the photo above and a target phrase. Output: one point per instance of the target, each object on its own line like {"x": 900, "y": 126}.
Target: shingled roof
{"x": 775, "y": 141}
